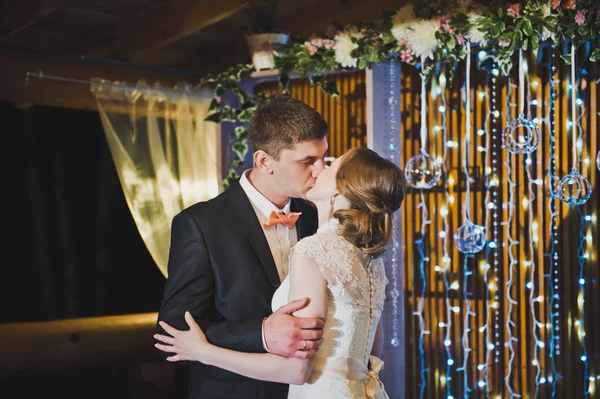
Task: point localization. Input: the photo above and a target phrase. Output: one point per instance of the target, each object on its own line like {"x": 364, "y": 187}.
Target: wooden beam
{"x": 17, "y": 15}
{"x": 304, "y": 22}
{"x": 16, "y": 63}
{"x": 37, "y": 347}
{"x": 160, "y": 25}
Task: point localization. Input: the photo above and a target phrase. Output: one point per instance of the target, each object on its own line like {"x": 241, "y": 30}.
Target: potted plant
{"x": 265, "y": 38}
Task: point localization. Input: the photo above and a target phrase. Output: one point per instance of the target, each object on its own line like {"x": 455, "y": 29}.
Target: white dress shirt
{"x": 279, "y": 237}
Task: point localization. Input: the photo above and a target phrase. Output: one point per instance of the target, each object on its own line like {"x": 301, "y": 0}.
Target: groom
{"x": 229, "y": 255}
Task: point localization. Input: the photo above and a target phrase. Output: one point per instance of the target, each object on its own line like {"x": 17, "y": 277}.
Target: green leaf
{"x": 216, "y": 117}
{"x": 527, "y": 28}
{"x": 228, "y": 114}
{"x": 316, "y": 78}
{"x": 241, "y": 132}
{"x": 240, "y": 148}
{"x": 535, "y": 42}
{"x": 451, "y": 42}
{"x": 330, "y": 88}
{"x": 595, "y": 56}
{"x": 245, "y": 115}
{"x": 566, "y": 58}
{"x": 219, "y": 91}
{"x": 214, "y": 105}
{"x": 284, "y": 80}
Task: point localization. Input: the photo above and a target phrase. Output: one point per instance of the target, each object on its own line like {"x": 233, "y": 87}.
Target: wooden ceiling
{"x": 169, "y": 41}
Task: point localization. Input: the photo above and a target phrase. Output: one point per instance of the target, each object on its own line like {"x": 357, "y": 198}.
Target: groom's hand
{"x": 286, "y": 335}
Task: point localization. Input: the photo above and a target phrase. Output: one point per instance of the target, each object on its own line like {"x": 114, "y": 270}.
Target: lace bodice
{"x": 356, "y": 292}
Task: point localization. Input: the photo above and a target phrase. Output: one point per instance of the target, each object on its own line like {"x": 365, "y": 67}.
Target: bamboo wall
{"x": 346, "y": 114}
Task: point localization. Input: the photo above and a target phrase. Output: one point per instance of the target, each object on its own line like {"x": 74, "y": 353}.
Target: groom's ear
{"x": 263, "y": 161}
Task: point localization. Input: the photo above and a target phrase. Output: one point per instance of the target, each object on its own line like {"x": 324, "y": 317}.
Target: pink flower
{"x": 328, "y": 44}
{"x": 555, "y": 4}
{"x": 569, "y": 4}
{"x": 460, "y": 39}
{"x": 406, "y": 56}
{"x": 580, "y": 17}
{"x": 311, "y": 49}
{"x": 513, "y": 9}
{"x": 441, "y": 21}
{"x": 317, "y": 42}
{"x": 444, "y": 23}
{"x": 504, "y": 43}
{"x": 401, "y": 42}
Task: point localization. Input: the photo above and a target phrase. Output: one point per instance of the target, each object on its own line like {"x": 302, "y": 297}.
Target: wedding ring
{"x": 305, "y": 344}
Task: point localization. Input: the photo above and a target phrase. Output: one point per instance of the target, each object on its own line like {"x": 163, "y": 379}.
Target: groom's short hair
{"x": 282, "y": 122}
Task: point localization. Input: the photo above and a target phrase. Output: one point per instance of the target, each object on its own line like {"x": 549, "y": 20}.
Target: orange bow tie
{"x": 288, "y": 219}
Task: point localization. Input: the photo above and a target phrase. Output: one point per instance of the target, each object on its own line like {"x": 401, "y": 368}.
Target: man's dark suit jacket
{"x": 221, "y": 270}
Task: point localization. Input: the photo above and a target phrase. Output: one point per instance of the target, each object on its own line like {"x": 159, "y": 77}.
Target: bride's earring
{"x": 331, "y": 205}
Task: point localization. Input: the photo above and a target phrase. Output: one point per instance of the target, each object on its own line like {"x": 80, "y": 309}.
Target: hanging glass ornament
{"x": 598, "y": 160}
{"x": 470, "y": 238}
{"x": 422, "y": 171}
{"x": 521, "y": 136}
{"x": 574, "y": 189}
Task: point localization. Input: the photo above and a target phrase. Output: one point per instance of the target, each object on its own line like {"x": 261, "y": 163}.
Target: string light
{"x": 581, "y": 252}
{"x": 574, "y": 189}
{"x": 489, "y": 206}
{"x": 393, "y": 110}
{"x": 493, "y": 187}
{"x": 421, "y": 240}
{"x": 421, "y": 305}
{"x": 531, "y": 265}
{"x": 511, "y": 268}
{"x": 465, "y": 238}
{"x": 554, "y": 305}
{"x": 447, "y": 268}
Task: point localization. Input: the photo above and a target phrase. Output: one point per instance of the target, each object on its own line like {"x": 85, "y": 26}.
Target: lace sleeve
{"x": 331, "y": 258}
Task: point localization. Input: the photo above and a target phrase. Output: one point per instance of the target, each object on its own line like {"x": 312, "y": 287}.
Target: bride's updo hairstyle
{"x": 375, "y": 188}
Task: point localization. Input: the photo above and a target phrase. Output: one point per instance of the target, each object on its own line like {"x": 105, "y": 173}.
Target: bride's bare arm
{"x": 378, "y": 341}
{"x": 306, "y": 281}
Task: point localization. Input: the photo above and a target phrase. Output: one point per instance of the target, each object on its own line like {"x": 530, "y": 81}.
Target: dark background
{"x": 71, "y": 246}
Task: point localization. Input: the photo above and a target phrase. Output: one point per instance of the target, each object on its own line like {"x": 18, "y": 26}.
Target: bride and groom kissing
{"x": 275, "y": 287}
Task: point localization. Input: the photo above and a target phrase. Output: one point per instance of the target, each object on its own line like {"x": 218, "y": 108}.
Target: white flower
{"x": 343, "y": 49}
{"x": 402, "y": 21}
{"x": 422, "y": 38}
{"x": 474, "y": 35}
{"x": 546, "y": 33}
{"x": 419, "y": 34}
{"x": 546, "y": 10}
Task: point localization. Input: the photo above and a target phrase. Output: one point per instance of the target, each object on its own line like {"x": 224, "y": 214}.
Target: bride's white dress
{"x": 343, "y": 367}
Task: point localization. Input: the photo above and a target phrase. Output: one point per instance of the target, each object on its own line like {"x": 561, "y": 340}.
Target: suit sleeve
{"x": 190, "y": 286}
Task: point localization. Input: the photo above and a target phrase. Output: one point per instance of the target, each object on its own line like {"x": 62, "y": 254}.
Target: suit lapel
{"x": 244, "y": 215}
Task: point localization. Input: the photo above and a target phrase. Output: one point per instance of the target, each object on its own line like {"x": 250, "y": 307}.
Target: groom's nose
{"x": 318, "y": 167}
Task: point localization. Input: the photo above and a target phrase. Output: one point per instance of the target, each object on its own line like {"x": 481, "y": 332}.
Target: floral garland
{"x": 440, "y": 30}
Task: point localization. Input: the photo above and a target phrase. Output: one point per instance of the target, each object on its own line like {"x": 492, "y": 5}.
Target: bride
{"x": 340, "y": 270}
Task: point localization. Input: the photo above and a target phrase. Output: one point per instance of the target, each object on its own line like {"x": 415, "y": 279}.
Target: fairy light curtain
{"x": 516, "y": 318}
{"x": 532, "y": 290}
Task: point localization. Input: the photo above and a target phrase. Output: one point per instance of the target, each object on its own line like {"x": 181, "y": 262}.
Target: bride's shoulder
{"x": 325, "y": 239}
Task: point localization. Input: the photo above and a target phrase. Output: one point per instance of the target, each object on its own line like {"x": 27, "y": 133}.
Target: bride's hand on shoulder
{"x": 186, "y": 345}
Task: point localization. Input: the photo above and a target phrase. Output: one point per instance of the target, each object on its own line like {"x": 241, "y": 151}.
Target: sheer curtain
{"x": 167, "y": 157}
